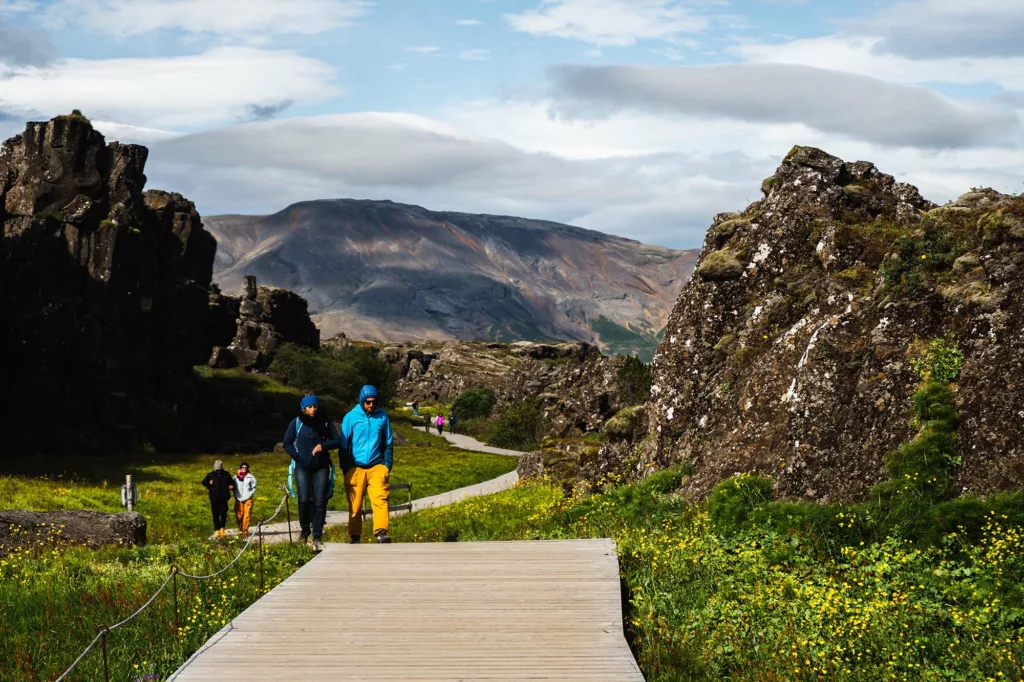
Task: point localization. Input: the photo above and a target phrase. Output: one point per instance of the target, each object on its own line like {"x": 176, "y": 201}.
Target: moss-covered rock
{"x": 719, "y": 266}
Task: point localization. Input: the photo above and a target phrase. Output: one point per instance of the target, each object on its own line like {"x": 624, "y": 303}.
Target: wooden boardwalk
{"x": 412, "y": 612}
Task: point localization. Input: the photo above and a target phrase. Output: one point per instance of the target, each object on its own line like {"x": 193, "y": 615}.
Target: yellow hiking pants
{"x": 358, "y": 482}
{"x": 243, "y": 510}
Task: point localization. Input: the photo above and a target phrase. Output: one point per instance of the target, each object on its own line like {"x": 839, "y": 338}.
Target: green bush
{"x": 941, "y": 362}
{"x": 733, "y": 500}
{"x": 519, "y": 427}
{"x": 475, "y": 403}
{"x": 633, "y": 380}
{"x": 339, "y": 374}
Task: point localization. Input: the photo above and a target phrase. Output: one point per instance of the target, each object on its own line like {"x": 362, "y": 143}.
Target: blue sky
{"x": 642, "y": 118}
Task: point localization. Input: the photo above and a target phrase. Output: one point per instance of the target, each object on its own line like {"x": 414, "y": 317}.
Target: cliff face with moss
{"x": 812, "y": 317}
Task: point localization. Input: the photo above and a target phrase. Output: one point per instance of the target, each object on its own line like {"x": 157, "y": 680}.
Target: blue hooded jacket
{"x": 366, "y": 439}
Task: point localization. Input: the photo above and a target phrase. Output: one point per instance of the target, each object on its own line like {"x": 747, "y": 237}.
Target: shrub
{"x": 519, "y": 427}
{"x": 475, "y": 403}
{"x": 733, "y": 500}
{"x": 633, "y": 380}
{"x": 941, "y": 361}
{"x": 339, "y": 374}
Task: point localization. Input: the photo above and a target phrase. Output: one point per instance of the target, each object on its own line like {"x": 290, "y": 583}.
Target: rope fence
{"x": 104, "y": 630}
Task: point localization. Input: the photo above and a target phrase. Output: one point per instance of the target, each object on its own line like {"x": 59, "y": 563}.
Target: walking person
{"x": 415, "y": 408}
{"x": 439, "y": 423}
{"x": 366, "y": 452}
{"x": 426, "y": 422}
{"x": 220, "y": 486}
{"x": 245, "y": 489}
{"x": 308, "y": 440}
{"x": 451, "y": 421}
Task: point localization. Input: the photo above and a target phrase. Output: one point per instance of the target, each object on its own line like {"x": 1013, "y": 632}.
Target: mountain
{"x": 799, "y": 346}
{"x": 379, "y": 270}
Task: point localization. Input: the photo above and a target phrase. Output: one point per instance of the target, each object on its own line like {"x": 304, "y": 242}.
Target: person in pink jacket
{"x": 439, "y": 423}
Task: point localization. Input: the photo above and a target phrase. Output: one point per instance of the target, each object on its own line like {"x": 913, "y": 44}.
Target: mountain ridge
{"x": 382, "y": 270}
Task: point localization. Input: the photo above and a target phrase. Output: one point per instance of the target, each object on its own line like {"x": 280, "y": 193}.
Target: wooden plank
{"x": 418, "y": 612}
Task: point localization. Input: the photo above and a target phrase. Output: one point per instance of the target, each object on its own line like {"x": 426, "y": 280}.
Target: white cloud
{"x": 265, "y": 166}
{"x": 220, "y": 17}
{"x": 133, "y": 134}
{"x": 468, "y": 22}
{"x": 830, "y": 101}
{"x": 609, "y": 22}
{"x": 12, "y": 6}
{"x": 217, "y": 85}
{"x": 475, "y": 55}
{"x": 400, "y": 66}
{"x": 861, "y": 55}
{"x": 931, "y": 29}
{"x": 423, "y": 49}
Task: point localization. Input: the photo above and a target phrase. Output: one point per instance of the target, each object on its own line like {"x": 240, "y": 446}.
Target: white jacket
{"x": 245, "y": 488}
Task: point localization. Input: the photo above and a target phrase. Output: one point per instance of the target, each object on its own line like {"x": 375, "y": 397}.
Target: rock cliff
{"x": 792, "y": 349}
{"x": 104, "y": 289}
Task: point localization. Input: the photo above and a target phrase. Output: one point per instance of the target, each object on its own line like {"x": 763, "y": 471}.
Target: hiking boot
{"x": 353, "y": 540}
{"x": 382, "y": 537}
{"x": 318, "y": 546}
{"x": 304, "y": 539}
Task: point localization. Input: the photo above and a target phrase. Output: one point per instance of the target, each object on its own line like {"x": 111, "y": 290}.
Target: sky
{"x": 641, "y": 118}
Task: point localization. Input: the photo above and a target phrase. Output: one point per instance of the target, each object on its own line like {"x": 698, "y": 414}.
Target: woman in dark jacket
{"x": 308, "y": 440}
{"x": 218, "y": 482}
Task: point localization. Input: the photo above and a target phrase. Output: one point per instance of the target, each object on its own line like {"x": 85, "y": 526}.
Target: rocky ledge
{"x": 792, "y": 350}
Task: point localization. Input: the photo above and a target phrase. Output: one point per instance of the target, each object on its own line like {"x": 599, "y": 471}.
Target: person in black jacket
{"x": 308, "y": 440}
{"x": 218, "y": 482}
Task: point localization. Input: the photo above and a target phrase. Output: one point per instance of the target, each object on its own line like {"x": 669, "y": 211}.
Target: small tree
{"x": 634, "y": 381}
{"x": 475, "y": 403}
{"x": 519, "y": 427}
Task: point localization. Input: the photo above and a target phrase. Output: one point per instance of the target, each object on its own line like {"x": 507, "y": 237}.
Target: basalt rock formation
{"x": 792, "y": 349}
{"x": 574, "y": 384}
{"x": 104, "y": 290}
{"x": 20, "y": 528}
{"x": 267, "y": 317}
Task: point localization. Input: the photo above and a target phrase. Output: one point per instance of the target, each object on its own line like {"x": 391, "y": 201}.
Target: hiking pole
{"x": 103, "y": 642}
{"x": 288, "y": 514}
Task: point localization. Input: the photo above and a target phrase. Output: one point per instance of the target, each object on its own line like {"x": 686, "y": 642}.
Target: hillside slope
{"x": 796, "y": 347}
{"x": 379, "y": 270}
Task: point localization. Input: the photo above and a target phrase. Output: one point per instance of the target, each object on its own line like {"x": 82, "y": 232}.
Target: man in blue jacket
{"x": 308, "y": 441}
{"x": 366, "y": 457}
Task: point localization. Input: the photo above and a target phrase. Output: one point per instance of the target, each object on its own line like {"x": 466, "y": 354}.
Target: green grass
{"x": 52, "y": 598}
{"x": 175, "y": 503}
{"x": 756, "y": 604}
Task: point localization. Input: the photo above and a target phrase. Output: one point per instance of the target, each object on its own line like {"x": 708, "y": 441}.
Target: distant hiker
{"x": 366, "y": 457}
{"x": 451, "y": 422}
{"x": 416, "y": 408}
{"x": 245, "y": 488}
{"x": 426, "y": 422}
{"x": 308, "y": 441}
{"x": 220, "y": 486}
{"x": 439, "y": 423}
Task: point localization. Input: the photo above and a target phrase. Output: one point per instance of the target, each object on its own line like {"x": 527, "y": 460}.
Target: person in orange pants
{"x": 245, "y": 489}
{"x": 366, "y": 457}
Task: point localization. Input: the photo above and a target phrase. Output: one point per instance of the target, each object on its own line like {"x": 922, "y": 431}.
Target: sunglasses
{"x": 369, "y": 401}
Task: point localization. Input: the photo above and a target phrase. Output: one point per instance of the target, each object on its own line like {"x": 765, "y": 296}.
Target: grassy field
{"x": 175, "y": 503}
{"x": 53, "y": 598}
{"x": 756, "y": 604}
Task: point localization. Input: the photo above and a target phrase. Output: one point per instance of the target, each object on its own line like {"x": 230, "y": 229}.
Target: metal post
{"x": 259, "y": 530}
{"x": 103, "y": 642}
{"x": 174, "y": 586}
{"x": 288, "y": 513}
{"x": 128, "y": 491}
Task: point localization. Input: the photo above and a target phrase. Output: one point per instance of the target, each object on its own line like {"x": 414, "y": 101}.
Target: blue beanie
{"x": 308, "y": 400}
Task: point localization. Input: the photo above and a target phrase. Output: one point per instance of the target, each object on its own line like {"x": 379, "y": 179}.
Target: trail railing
{"x": 172, "y": 579}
